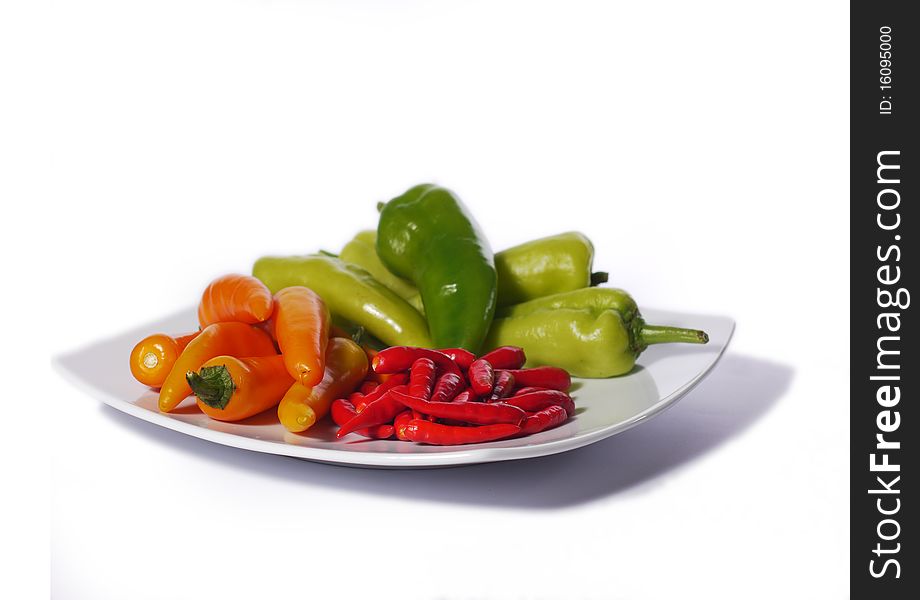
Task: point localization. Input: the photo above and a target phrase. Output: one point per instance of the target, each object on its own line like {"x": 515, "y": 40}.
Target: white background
{"x": 150, "y": 146}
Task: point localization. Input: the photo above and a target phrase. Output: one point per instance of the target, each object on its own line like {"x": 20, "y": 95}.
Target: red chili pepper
{"x": 527, "y": 390}
{"x": 359, "y": 401}
{"x": 342, "y": 411}
{"x": 380, "y": 411}
{"x": 545, "y": 377}
{"x": 535, "y": 401}
{"x": 400, "y": 358}
{"x": 468, "y": 412}
{"x": 463, "y": 357}
{"x": 506, "y": 357}
{"x": 400, "y": 422}
{"x": 504, "y": 383}
{"x": 368, "y": 386}
{"x": 482, "y": 376}
{"x": 464, "y": 396}
{"x": 447, "y": 387}
{"x": 393, "y": 381}
{"x": 421, "y": 378}
{"x": 549, "y": 417}
{"x": 426, "y": 432}
{"x": 377, "y": 432}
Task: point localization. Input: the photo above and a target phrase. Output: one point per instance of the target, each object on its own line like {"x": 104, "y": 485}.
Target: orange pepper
{"x": 302, "y": 330}
{"x": 346, "y": 366}
{"x": 154, "y": 356}
{"x": 230, "y": 338}
{"x": 232, "y": 389}
{"x": 240, "y": 298}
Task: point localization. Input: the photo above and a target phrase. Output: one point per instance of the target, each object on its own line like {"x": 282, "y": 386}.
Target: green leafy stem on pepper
{"x": 428, "y": 277}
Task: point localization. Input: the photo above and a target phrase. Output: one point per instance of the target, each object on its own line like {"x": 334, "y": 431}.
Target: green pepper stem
{"x": 660, "y": 334}
{"x": 213, "y": 385}
{"x": 599, "y": 277}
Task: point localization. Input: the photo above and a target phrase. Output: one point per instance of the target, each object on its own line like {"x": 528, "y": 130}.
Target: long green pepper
{"x": 351, "y": 293}
{"x": 362, "y": 251}
{"x": 592, "y": 332}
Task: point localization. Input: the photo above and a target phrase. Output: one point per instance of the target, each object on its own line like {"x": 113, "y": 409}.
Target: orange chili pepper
{"x": 235, "y": 298}
{"x": 218, "y": 339}
{"x": 233, "y": 389}
{"x": 302, "y": 330}
{"x": 346, "y": 366}
{"x": 154, "y": 356}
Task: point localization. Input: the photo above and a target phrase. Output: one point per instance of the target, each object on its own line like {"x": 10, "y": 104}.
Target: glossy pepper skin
{"x": 233, "y": 389}
{"x": 362, "y": 251}
{"x": 593, "y": 299}
{"x": 345, "y": 368}
{"x": 154, "y": 356}
{"x": 429, "y": 237}
{"x": 349, "y": 292}
{"x": 550, "y": 265}
{"x": 597, "y": 332}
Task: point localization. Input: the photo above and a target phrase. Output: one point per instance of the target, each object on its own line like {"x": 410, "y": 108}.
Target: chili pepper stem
{"x": 599, "y": 277}
{"x": 213, "y": 385}
{"x": 661, "y": 334}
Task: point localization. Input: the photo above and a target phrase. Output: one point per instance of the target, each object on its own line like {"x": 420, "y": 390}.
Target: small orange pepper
{"x": 240, "y": 298}
{"x": 232, "y": 389}
{"x": 154, "y": 356}
{"x": 302, "y": 406}
{"x": 229, "y": 338}
{"x": 302, "y": 330}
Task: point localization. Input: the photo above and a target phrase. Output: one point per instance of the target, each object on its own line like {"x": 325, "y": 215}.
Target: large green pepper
{"x": 351, "y": 293}
{"x": 594, "y": 332}
{"x": 429, "y": 237}
{"x": 550, "y": 265}
{"x": 362, "y": 251}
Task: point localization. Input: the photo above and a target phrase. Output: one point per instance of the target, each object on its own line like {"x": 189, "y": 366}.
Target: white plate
{"x": 604, "y": 406}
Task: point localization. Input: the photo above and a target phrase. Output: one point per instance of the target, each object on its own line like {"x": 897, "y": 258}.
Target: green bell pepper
{"x": 429, "y": 237}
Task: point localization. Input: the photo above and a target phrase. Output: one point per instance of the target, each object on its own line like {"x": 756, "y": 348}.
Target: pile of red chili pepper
{"x": 448, "y": 397}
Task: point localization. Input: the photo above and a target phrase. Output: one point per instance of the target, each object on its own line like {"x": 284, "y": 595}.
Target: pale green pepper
{"x": 593, "y": 332}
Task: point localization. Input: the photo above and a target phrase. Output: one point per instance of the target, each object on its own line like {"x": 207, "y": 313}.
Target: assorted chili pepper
{"x": 425, "y": 278}
{"x": 467, "y": 404}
